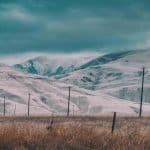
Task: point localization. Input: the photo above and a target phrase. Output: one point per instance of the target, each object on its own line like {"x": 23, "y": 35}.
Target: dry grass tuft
{"x": 72, "y": 136}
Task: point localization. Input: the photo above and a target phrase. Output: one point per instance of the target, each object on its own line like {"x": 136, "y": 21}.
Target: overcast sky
{"x": 73, "y": 25}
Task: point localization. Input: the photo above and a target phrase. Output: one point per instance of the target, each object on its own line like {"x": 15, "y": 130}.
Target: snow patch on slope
{"x": 51, "y": 96}
{"x": 117, "y": 74}
{"x": 55, "y": 64}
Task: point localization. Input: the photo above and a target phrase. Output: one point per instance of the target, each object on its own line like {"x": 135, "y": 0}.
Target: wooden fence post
{"x": 15, "y": 110}
{"x": 29, "y": 105}
{"x": 73, "y": 110}
{"x": 114, "y": 122}
{"x": 68, "y": 110}
{"x": 142, "y": 90}
{"x": 4, "y": 107}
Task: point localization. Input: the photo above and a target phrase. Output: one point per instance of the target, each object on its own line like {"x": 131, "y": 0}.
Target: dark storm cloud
{"x": 69, "y": 25}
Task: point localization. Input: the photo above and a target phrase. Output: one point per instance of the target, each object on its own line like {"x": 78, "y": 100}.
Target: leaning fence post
{"x": 114, "y": 122}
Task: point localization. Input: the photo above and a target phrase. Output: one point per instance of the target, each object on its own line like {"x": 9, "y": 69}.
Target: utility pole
{"x": 142, "y": 90}
{"x": 29, "y": 105}
{"x": 68, "y": 110}
{"x": 4, "y": 106}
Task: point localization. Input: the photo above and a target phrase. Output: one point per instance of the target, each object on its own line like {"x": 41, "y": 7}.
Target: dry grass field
{"x": 74, "y": 133}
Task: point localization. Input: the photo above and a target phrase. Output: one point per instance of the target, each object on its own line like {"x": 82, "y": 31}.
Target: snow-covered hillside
{"x": 50, "y": 96}
{"x": 102, "y": 84}
{"x": 55, "y": 64}
{"x": 116, "y": 74}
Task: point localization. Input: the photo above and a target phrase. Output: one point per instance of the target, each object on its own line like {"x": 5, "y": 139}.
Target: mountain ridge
{"x": 121, "y": 70}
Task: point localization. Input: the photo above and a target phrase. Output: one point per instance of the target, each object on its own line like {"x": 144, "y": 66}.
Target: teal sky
{"x": 73, "y": 25}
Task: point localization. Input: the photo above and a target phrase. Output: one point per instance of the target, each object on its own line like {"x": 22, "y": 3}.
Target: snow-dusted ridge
{"x": 55, "y": 64}
{"x": 117, "y": 74}
{"x": 100, "y": 84}
{"x": 50, "y": 96}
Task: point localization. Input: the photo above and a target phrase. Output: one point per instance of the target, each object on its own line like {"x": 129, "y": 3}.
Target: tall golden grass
{"x": 72, "y": 136}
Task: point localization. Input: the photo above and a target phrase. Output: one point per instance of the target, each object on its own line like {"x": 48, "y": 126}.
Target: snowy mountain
{"x": 105, "y": 81}
{"x": 116, "y": 74}
{"x": 51, "y": 96}
{"x": 54, "y": 64}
